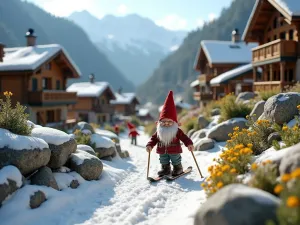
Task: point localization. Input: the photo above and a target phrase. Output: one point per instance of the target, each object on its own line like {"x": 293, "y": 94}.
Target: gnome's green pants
{"x": 165, "y": 159}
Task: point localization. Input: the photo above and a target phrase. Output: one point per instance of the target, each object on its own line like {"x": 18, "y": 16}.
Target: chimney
{"x": 92, "y": 78}
{"x": 2, "y": 53}
{"x": 235, "y": 36}
{"x": 120, "y": 90}
{"x": 31, "y": 38}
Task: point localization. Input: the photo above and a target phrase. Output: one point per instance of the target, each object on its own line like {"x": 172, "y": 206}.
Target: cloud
{"x": 212, "y": 17}
{"x": 172, "y": 22}
{"x": 200, "y": 22}
{"x": 122, "y": 9}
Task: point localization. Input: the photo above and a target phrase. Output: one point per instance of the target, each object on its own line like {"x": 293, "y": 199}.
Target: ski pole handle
{"x": 196, "y": 164}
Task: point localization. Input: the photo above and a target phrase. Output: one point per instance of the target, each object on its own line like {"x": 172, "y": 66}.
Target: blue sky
{"x": 171, "y": 14}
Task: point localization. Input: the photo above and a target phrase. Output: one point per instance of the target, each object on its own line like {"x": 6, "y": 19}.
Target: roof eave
{"x": 249, "y": 20}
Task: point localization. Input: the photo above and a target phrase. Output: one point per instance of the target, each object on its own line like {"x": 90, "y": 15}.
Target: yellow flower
{"x": 233, "y": 170}
{"x": 219, "y": 174}
{"x": 296, "y": 173}
{"x": 293, "y": 201}
{"x": 236, "y": 128}
{"x": 233, "y": 159}
{"x": 220, "y": 184}
{"x": 285, "y": 128}
{"x": 278, "y": 189}
{"x": 203, "y": 184}
{"x": 247, "y": 117}
{"x": 226, "y": 167}
{"x": 298, "y": 107}
{"x": 286, "y": 177}
{"x": 295, "y": 128}
{"x": 6, "y": 93}
{"x": 249, "y": 145}
{"x": 10, "y": 93}
{"x": 254, "y": 166}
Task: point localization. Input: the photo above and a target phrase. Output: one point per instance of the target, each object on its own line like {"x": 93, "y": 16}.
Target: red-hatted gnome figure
{"x": 167, "y": 137}
{"x": 132, "y": 133}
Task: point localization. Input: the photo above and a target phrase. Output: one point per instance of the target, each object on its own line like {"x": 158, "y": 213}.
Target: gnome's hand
{"x": 148, "y": 149}
{"x": 191, "y": 147}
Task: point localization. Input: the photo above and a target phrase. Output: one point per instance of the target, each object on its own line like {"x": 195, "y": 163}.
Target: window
{"x": 58, "y": 85}
{"x": 275, "y": 23}
{"x": 34, "y": 84}
{"x": 282, "y": 35}
{"x": 291, "y": 35}
{"x": 50, "y": 116}
{"x": 291, "y": 75}
{"x": 46, "y": 83}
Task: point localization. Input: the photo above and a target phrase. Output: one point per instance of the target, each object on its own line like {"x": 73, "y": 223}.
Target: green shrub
{"x": 83, "y": 139}
{"x": 190, "y": 124}
{"x": 13, "y": 119}
{"x": 265, "y": 95}
{"x": 230, "y": 109}
{"x": 136, "y": 121}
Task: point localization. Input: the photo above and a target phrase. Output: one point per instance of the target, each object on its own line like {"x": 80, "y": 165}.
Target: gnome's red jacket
{"x": 174, "y": 147}
{"x": 133, "y": 133}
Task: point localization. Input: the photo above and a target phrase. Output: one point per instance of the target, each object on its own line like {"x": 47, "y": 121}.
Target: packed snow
{"x": 50, "y": 135}
{"x": 123, "y": 98}
{"x": 20, "y": 142}
{"x": 85, "y": 148}
{"x": 88, "y": 89}
{"x": 102, "y": 142}
{"x": 63, "y": 180}
{"x": 80, "y": 156}
{"x": 106, "y": 133}
{"x": 10, "y": 173}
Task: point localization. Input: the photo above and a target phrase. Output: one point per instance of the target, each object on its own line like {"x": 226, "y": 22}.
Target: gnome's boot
{"x": 165, "y": 170}
{"x": 177, "y": 170}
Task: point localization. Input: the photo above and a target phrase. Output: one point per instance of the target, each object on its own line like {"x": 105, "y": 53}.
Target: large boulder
{"x": 26, "y": 153}
{"x": 83, "y": 126}
{"x": 291, "y": 159}
{"x": 190, "y": 132}
{"x": 258, "y": 109}
{"x": 220, "y": 132}
{"x": 204, "y": 144}
{"x": 60, "y": 144}
{"x": 44, "y": 177}
{"x": 87, "y": 165}
{"x": 103, "y": 146}
{"x": 245, "y": 96}
{"x": 238, "y": 204}
{"x": 36, "y": 199}
{"x": 202, "y": 122}
{"x": 10, "y": 181}
{"x": 281, "y": 108}
{"x": 86, "y": 148}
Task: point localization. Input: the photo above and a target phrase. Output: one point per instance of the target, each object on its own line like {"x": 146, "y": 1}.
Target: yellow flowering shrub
{"x": 232, "y": 162}
{"x": 289, "y": 191}
{"x": 256, "y": 135}
{"x": 13, "y": 119}
{"x": 83, "y": 139}
{"x": 264, "y": 176}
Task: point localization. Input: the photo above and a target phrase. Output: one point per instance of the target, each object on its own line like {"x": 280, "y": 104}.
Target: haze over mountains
{"x": 135, "y": 45}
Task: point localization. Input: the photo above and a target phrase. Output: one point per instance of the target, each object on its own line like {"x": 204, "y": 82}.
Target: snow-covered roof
{"x": 195, "y": 83}
{"x": 143, "y": 112}
{"x": 124, "y": 98}
{"x": 292, "y": 7}
{"x": 31, "y": 57}
{"x": 227, "y": 51}
{"x": 88, "y": 89}
{"x": 240, "y": 70}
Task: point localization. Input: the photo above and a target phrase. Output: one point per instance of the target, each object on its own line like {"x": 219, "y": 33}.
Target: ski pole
{"x": 196, "y": 164}
{"x": 148, "y": 164}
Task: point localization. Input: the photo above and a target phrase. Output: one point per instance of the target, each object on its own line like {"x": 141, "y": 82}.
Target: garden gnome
{"x": 132, "y": 133}
{"x": 117, "y": 129}
{"x": 167, "y": 137}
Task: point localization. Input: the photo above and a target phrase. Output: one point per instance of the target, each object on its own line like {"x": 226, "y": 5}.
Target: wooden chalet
{"x": 275, "y": 25}
{"x": 125, "y": 104}
{"x": 218, "y": 57}
{"x": 37, "y": 77}
{"x": 180, "y": 106}
{"x": 144, "y": 115}
{"x": 93, "y": 105}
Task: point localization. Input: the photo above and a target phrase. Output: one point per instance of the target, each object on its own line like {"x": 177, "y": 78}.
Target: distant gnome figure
{"x": 168, "y": 137}
{"x": 117, "y": 129}
{"x": 132, "y": 133}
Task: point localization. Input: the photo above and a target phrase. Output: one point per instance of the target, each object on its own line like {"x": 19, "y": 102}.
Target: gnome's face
{"x": 166, "y": 130}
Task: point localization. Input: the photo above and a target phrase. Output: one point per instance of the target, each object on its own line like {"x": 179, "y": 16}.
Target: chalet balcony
{"x": 270, "y": 85}
{"x": 204, "y": 78}
{"x": 275, "y": 51}
{"x": 51, "y": 97}
{"x": 104, "y": 108}
{"x": 201, "y": 96}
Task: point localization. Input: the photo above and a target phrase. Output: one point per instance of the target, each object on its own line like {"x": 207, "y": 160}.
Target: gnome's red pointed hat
{"x": 169, "y": 109}
{"x": 130, "y": 126}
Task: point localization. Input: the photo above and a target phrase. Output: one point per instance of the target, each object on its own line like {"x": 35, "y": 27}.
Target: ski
{"x": 170, "y": 178}
{"x": 154, "y": 179}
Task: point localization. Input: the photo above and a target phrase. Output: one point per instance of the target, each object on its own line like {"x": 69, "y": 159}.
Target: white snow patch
{"x": 195, "y": 83}
{"x": 51, "y": 135}
{"x": 85, "y": 148}
{"x": 32, "y": 125}
{"x": 106, "y": 133}
{"x": 79, "y": 156}
{"x": 63, "y": 180}
{"x": 11, "y": 173}
{"x": 283, "y": 98}
{"x": 174, "y": 48}
{"x": 20, "y": 142}
{"x": 270, "y": 154}
{"x": 124, "y": 98}
{"x": 101, "y": 142}
{"x": 88, "y": 89}
{"x": 64, "y": 169}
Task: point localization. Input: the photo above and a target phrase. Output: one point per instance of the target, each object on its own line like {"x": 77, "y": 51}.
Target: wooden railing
{"x": 104, "y": 108}
{"x": 204, "y": 78}
{"x": 201, "y": 96}
{"x": 51, "y": 97}
{"x": 274, "y": 49}
{"x": 270, "y": 85}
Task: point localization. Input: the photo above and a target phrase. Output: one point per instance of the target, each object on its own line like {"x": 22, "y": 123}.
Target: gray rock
{"x": 220, "y": 132}
{"x": 61, "y": 153}
{"x": 199, "y": 134}
{"x": 237, "y": 204}
{"x": 215, "y": 112}
{"x": 104, "y": 152}
{"x": 291, "y": 159}
{"x": 202, "y": 122}
{"x": 204, "y": 144}
{"x": 191, "y": 132}
{"x": 86, "y": 148}
{"x": 74, "y": 184}
{"x": 37, "y": 199}
{"x": 87, "y": 165}
{"x": 258, "y": 109}
{"x": 107, "y": 158}
{"x": 281, "y": 108}
{"x": 245, "y": 96}
{"x": 83, "y": 126}
{"x": 44, "y": 177}
{"x": 118, "y": 148}
{"x": 274, "y": 137}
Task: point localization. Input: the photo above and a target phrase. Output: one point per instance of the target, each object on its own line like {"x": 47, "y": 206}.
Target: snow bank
{"x": 12, "y": 173}
{"x": 101, "y": 142}
{"x": 20, "y": 142}
{"x": 63, "y": 180}
{"x": 51, "y": 135}
{"x": 79, "y": 156}
{"x": 270, "y": 154}
{"x": 31, "y": 124}
{"x": 84, "y": 148}
{"x": 106, "y": 133}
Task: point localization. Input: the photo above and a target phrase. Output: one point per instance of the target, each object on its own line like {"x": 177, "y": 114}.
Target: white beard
{"x": 166, "y": 134}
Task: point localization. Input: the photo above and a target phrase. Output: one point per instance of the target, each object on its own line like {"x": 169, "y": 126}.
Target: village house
{"x": 275, "y": 25}
{"x": 144, "y": 115}
{"x": 217, "y": 58}
{"x": 125, "y": 104}
{"x": 37, "y": 77}
{"x": 93, "y": 105}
